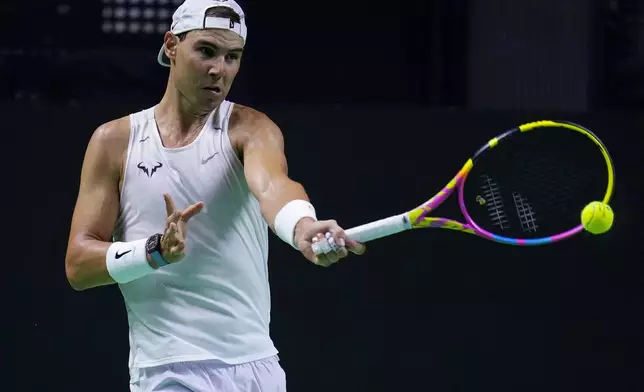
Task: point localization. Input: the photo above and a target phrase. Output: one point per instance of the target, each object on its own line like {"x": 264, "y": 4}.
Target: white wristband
{"x": 127, "y": 261}
{"x": 287, "y": 218}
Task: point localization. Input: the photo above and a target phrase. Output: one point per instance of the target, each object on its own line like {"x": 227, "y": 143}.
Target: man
{"x": 198, "y": 300}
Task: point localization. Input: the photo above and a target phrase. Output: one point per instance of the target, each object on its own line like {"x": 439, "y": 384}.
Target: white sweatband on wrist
{"x": 127, "y": 261}
{"x": 288, "y": 217}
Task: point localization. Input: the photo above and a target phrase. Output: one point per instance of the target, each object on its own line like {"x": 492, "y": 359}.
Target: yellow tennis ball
{"x": 597, "y": 217}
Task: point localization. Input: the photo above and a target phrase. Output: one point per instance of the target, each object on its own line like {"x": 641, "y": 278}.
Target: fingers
{"x": 327, "y": 257}
{"x": 332, "y": 252}
{"x": 173, "y": 218}
{"x": 334, "y": 245}
{"x": 172, "y": 230}
{"x": 172, "y": 243}
{"x": 173, "y": 239}
{"x": 336, "y": 236}
{"x": 191, "y": 211}
{"x": 177, "y": 249}
{"x": 180, "y": 217}
{"x": 172, "y": 236}
{"x": 169, "y": 204}
{"x": 186, "y": 214}
{"x": 337, "y": 245}
{"x": 355, "y": 247}
{"x": 340, "y": 238}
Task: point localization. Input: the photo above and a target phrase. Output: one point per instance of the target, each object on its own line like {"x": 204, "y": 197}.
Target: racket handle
{"x": 380, "y": 228}
{"x": 374, "y": 230}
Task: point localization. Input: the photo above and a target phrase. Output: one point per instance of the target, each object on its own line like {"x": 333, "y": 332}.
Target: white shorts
{"x": 264, "y": 375}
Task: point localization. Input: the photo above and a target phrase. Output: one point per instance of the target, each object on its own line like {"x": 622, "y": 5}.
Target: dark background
{"x": 361, "y": 86}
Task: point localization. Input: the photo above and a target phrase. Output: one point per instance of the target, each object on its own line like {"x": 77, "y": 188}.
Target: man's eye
{"x": 207, "y": 52}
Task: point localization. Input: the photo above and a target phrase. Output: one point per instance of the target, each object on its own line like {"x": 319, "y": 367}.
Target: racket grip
{"x": 380, "y": 228}
{"x": 373, "y": 230}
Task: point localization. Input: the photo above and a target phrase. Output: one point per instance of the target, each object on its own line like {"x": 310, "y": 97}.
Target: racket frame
{"x": 418, "y": 218}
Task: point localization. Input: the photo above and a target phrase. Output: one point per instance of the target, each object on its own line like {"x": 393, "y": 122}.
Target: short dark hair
{"x": 219, "y": 12}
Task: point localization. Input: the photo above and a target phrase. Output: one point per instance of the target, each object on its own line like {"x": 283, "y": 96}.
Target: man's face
{"x": 205, "y": 65}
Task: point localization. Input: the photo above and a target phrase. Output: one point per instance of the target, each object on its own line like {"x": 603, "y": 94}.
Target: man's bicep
{"x": 97, "y": 204}
{"x": 264, "y": 160}
{"x": 266, "y": 171}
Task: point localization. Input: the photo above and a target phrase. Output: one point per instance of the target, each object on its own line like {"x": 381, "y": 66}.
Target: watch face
{"x": 152, "y": 244}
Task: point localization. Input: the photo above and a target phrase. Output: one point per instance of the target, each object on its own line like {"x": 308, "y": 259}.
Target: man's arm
{"x": 266, "y": 172}
{"x": 97, "y": 207}
{"x": 266, "y": 169}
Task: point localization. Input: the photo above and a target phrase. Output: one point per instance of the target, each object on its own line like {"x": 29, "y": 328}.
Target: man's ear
{"x": 170, "y": 42}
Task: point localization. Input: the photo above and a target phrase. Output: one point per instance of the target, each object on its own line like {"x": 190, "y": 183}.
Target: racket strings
{"x": 525, "y": 213}
{"x": 493, "y": 201}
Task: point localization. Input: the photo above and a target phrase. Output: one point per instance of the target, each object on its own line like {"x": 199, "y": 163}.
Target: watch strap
{"x": 153, "y": 248}
{"x": 158, "y": 259}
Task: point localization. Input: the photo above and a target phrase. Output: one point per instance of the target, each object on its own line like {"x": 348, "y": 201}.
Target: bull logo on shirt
{"x": 149, "y": 170}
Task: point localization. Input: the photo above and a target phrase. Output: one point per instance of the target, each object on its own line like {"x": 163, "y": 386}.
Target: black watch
{"x": 153, "y": 248}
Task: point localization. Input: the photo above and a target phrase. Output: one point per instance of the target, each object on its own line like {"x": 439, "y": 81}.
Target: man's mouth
{"x": 214, "y": 89}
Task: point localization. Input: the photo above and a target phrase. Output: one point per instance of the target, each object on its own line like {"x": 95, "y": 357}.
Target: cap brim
{"x": 162, "y": 58}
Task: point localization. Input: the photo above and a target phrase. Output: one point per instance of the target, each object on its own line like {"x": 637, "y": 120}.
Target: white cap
{"x": 191, "y": 15}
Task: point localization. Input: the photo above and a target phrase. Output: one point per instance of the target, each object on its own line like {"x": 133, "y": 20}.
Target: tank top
{"x": 215, "y": 303}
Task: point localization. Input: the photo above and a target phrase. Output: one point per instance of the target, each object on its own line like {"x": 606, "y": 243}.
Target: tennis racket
{"x": 526, "y": 187}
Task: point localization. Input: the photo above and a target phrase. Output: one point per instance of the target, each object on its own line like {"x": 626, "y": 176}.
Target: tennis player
{"x": 174, "y": 206}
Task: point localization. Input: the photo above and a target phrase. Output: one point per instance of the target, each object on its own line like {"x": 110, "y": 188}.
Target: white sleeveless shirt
{"x": 215, "y": 303}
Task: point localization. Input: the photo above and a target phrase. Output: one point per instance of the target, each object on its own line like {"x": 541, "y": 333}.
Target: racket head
{"x": 529, "y": 185}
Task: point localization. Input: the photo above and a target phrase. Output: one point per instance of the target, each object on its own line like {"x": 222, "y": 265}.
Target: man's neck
{"x": 177, "y": 117}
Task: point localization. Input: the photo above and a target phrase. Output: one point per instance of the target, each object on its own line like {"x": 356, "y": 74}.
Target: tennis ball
{"x": 597, "y": 217}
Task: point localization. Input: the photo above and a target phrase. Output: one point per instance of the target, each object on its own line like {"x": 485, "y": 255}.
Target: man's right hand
{"x": 173, "y": 241}
{"x": 308, "y": 231}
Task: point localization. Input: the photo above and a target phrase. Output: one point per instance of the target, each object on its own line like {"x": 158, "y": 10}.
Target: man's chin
{"x": 212, "y": 101}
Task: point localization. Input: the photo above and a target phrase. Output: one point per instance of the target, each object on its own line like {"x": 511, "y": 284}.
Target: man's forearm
{"x": 85, "y": 264}
{"x": 277, "y": 196}
{"x": 284, "y": 206}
